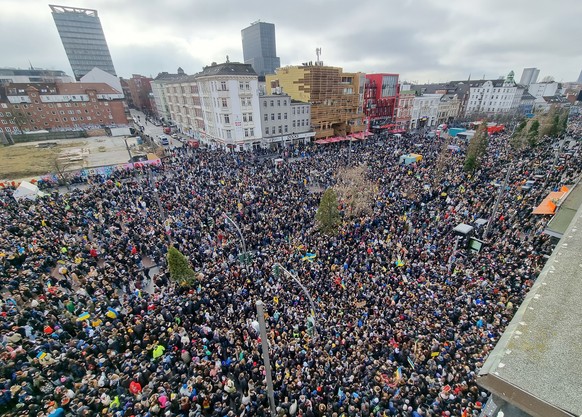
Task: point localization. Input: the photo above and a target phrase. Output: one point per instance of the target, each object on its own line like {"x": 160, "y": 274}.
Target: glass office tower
{"x": 82, "y": 36}
{"x": 259, "y": 47}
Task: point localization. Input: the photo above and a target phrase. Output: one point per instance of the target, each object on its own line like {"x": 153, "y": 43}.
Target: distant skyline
{"x": 422, "y": 40}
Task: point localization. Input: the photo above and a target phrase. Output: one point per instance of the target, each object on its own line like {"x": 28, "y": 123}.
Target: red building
{"x": 58, "y": 106}
{"x": 381, "y": 97}
{"x": 140, "y": 89}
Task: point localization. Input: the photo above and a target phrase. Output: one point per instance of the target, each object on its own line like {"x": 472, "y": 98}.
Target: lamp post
{"x": 242, "y": 239}
{"x": 496, "y": 204}
{"x": 294, "y": 278}
{"x": 266, "y": 358}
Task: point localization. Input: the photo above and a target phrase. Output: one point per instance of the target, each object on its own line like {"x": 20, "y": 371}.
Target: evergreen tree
{"x": 533, "y": 133}
{"x": 327, "y": 216}
{"x": 180, "y": 270}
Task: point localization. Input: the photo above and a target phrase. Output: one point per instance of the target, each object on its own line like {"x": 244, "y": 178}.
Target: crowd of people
{"x": 92, "y": 324}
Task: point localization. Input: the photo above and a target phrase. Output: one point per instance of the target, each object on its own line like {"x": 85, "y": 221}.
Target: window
{"x": 279, "y": 103}
{"x": 241, "y": 86}
{"x": 273, "y": 130}
{"x": 272, "y": 103}
{"x": 229, "y": 134}
{"x": 286, "y": 128}
{"x": 226, "y": 119}
{"x": 266, "y": 131}
{"x": 284, "y": 102}
{"x": 279, "y": 116}
{"x": 266, "y": 117}
{"x": 293, "y": 111}
{"x": 252, "y": 131}
{"x": 244, "y": 117}
{"x": 247, "y": 133}
{"x": 293, "y": 123}
{"x": 272, "y": 116}
{"x": 280, "y": 129}
{"x": 264, "y": 103}
{"x": 250, "y": 117}
{"x": 247, "y": 86}
{"x": 285, "y": 116}
{"x": 224, "y": 102}
{"x": 223, "y": 86}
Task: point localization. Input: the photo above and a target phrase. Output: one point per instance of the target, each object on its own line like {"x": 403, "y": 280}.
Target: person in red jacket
{"x": 135, "y": 387}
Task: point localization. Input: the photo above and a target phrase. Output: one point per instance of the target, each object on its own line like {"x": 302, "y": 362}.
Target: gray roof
{"x": 527, "y": 96}
{"x": 165, "y": 76}
{"x": 228, "y": 68}
{"x": 537, "y": 363}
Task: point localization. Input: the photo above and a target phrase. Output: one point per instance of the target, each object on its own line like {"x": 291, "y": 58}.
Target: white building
{"x": 425, "y": 109}
{"x": 97, "y": 75}
{"x": 158, "y": 92}
{"x": 284, "y": 121}
{"x": 493, "y": 96}
{"x": 23, "y": 76}
{"x": 539, "y": 90}
{"x": 219, "y": 106}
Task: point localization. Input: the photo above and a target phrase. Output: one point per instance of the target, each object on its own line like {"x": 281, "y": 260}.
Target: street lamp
{"x": 242, "y": 239}
{"x": 266, "y": 359}
{"x": 276, "y": 267}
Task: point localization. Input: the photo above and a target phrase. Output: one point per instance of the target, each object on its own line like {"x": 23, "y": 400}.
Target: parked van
{"x": 164, "y": 140}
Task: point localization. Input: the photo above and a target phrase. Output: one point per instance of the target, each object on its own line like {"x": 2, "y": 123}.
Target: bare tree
{"x": 354, "y": 190}
{"x": 60, "y": 167}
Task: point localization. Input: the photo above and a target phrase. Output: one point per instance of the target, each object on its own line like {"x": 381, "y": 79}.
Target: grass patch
{"x": 27, "y": 161}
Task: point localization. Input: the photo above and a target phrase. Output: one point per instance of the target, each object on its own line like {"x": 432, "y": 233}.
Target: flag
{"x": 41, "y": 355}
{"x": 83, "y": 316}
{"x": 309, "y": 257}
{"x": 398, "y": 373}
{"x": 434, "y": 354}
{"x": 410, "y": 362}
{"x": 276, "y": 300}
{"x": 399, "y": 262}
{"x": 111, "y": 313}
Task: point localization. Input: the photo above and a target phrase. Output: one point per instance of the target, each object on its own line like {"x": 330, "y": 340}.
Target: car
{"x": 175, "y": 136}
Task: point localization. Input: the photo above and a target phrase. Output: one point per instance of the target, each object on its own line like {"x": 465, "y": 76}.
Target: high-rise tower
{"x": 82, "y": 36}
{"x": 259, "y": 47}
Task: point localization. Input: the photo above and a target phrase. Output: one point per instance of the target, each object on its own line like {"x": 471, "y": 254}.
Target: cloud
{"x": 420, "y": 39}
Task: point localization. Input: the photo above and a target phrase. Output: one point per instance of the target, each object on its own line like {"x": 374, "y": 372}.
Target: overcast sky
{"x": 422, "y": 40}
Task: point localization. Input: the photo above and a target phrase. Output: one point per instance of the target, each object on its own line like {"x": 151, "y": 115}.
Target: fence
{"x": 33, "y": 137}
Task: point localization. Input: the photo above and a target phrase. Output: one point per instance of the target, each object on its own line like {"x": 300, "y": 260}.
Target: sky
{"x": 422, "y": 40}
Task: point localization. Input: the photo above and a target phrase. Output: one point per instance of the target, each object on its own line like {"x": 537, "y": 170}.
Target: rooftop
{"x": 537, "y": 363}
{"x": 228, "y": 68}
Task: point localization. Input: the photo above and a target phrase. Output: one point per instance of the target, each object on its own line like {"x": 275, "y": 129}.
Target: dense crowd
{"x": 405, "y": 315}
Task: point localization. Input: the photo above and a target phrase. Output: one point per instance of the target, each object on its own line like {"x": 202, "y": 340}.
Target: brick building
{"x": 140, "y": 89}
{"x": 59, "y": 106}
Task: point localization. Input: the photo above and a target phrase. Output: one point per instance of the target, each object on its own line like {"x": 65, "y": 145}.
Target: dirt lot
{"x": 26, "y": 160}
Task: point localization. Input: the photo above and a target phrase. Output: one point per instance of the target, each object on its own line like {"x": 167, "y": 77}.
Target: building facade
{"x": 19, "y": 76}
{"x": 493, "y": 96}
{"x": 218, "y": 106}
{"x": 284, "y": 121}
{"x": 260, "y": 48}
{"x": 529, "y": 76}
{"x": 381, "y": 97}
{"x": 336, "y": 97}
{"x": 539, "y": 90}
{"x": 424, "y": 112}
{"x": 404, "y": 109}
{"x": 448, "y": 109}
{"x": 59, "y": 106}
{"x": 140, "y": 90}
{"x": 83, "y": 39}
{"x": 161, "y": 109}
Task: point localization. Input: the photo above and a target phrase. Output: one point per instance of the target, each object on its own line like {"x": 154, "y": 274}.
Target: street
{"x": 152, "y": 130}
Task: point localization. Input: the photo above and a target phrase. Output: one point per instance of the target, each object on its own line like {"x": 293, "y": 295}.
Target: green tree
{"x": 533, "y": 133}
{"x": 477, "y": 148}
{"x": 327, "y": 216}
{"x": 180, "y": 270}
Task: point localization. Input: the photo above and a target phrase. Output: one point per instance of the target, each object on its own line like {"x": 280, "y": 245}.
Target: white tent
{"x": 26, "y": 190}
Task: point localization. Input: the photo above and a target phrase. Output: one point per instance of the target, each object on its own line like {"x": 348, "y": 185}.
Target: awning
{"x": 388, "y": 126}
{"x": 550, "y": 203}
{"x": 360, "y": 135}
{"x": 397, "y": 131}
